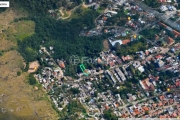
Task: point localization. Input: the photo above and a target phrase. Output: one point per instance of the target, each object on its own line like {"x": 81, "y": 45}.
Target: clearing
{"x": 106, "y": 45}
{"x": 33, "y": 66}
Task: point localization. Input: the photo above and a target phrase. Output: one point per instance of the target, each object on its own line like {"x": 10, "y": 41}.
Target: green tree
{"x": 32, "y": 79}
{"x": 109, "y": 115}
{"x": 75, "y": 90}
{"x": 18, "y": 73}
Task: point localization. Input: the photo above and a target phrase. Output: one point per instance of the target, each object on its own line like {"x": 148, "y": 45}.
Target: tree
{"x": 32, "y": 80}
{"x": 117, "y": 46}
{"x": 109, "y": 115}
{"x": 18, "y": 73}
{"x": 75, "y": 90}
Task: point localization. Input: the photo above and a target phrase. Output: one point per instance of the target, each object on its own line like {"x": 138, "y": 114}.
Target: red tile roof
{"x": 178, "y": 83}
{"x": 161, "y": 1}
{"x": 124, "y": 42}
{"x": 169, "y": 40}
{"x": 61, "y": 64}
{"x": 159, "y": 56}
{"x": 162, "y": 24}
{"x": 176, "y": 33}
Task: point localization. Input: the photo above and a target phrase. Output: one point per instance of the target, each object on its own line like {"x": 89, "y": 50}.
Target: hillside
{"x": 18, "y": 100}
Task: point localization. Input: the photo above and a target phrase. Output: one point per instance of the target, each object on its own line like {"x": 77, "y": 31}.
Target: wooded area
{"x": 62, "y": 35}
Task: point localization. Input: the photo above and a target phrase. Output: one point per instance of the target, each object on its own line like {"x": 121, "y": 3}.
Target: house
{"x": 61, "y": 64}
{"x": 176, "y": 33}
{"x": 169, "y": 41}
{"x": 162, "y": 24}
{"x": 141, "y": 69}
{"x": 126, "y": 41}
{"x": 160, "y": 63}
{"x": 162, "y": 1}
{"x": 163, "y": 8}
{"x": 146, "y": 84}
{"x": 123, "y": 34}
{"x": 136, "y": 64}
{"x": 124, "y": 58}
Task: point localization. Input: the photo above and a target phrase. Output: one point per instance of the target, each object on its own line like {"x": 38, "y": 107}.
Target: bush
{"x": 32, "y": 80}
{"x": 18, "y": 73}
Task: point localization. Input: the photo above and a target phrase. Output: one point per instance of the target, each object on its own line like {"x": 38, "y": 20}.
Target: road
{"x": 70, "y": 13}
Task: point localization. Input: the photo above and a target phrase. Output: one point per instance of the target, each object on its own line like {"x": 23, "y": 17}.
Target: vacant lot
{"x": 106, "y": 45}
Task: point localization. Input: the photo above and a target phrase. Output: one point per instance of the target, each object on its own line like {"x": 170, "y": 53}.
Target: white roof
{"x": 117, "y": 41}
{"x": 141, "y": 69}
{"x": 163, "y": 8}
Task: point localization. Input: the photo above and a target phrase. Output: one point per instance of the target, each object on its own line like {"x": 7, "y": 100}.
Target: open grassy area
{"x": 20, "y": 30}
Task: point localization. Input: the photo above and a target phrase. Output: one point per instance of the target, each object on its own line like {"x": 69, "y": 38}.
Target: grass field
{"x": 20, "y": 30}
{"x": 19, "y": 100}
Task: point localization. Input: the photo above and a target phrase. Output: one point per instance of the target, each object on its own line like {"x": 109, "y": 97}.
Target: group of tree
{"x": 152, "y": 3}
{"x": 132, "y": 47}
{"x": 32, "y": 79}
{"x": 61, "y": 34}
{"x": 70, "y": 112}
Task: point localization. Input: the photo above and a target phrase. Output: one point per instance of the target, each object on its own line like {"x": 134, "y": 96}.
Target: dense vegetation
{"x": 62, "y": 35}
{"x": 40, "y": 7}
{"x": 152, "y": 3}
{"x": 132, "y": 47}
{"x": 32, "y": 80}
{"x": 72, "y": 110}
{"x": 109, "y": 115}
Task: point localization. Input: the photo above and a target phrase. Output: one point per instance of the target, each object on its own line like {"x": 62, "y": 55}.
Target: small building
{"x": 169, "y": 41}
{"x": 61, "y": 64}
{"x": 141, "y": 69}
{"x": 160, "y": 63}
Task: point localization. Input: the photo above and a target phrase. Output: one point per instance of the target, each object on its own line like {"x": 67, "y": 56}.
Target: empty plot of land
{"x": 106, "y": 44}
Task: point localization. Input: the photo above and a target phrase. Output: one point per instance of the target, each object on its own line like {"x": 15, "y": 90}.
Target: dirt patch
{"x": 106, "y": 45}
{"x": 33, "y": 66}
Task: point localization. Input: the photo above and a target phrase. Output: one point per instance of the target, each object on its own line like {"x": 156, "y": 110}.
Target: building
{"x": 61, "y": 64}
{"x": 160, "y": 63}
{"x": 111, "y": 76}
{"x": 121, "y": 75}
{"x": 141, "y": 69}
{"x": 169, "y": 41}
{"x": 146, "y": 84}
{"x": 126, "y": 41}
{"x": 116, "y": 41}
